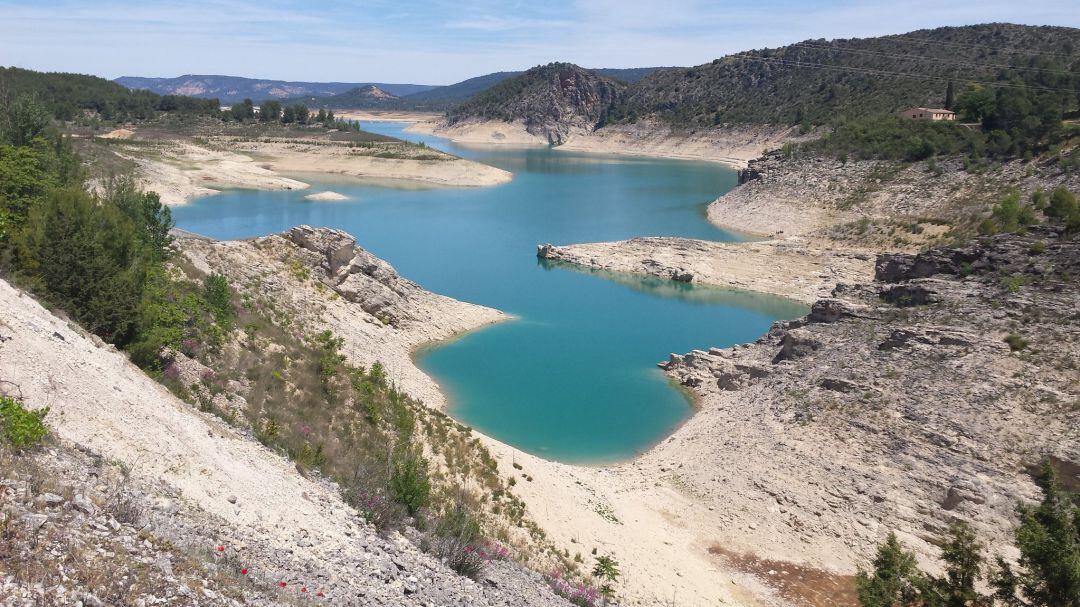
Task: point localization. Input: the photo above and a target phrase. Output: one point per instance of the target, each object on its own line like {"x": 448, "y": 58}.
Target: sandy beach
{"x": 411, "y": 164}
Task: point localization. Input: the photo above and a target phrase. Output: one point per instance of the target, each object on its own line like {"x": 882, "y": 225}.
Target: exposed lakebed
{"x": 574, "y": 377}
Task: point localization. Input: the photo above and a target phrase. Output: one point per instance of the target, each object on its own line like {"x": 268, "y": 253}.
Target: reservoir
{"x": 573, "y": 378}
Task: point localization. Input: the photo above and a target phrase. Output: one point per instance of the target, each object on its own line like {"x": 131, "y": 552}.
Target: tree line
{"x": 69, "y": 96}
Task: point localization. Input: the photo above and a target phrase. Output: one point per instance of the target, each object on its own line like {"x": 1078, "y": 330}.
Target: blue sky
{"x": 444, "y": 41}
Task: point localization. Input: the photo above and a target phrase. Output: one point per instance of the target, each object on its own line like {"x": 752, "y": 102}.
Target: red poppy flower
{"x": 282, "y": 584}
{"x": 303, "y": 589}
{"x": 243, "y": 571}
{"x": 221, "y": 548}
{"x": 319, "y": 593}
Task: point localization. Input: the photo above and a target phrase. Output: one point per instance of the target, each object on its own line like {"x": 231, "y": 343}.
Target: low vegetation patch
{"x": 20, "y": 427}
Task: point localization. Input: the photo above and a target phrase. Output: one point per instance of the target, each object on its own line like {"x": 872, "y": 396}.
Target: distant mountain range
{"x": 342, "y": 95}
{"x": 230, "y": 89}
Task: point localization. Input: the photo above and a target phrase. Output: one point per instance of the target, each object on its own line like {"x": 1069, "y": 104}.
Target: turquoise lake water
{"x": 573, "y": 379}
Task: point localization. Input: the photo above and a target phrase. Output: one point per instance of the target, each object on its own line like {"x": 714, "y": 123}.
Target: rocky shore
{"x": 904, "y": 404}
{"x": 788, "y": 268}
{"x": 323, "y": 279}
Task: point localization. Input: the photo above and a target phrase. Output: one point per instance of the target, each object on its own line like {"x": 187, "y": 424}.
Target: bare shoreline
{"x": 181, "y": 171}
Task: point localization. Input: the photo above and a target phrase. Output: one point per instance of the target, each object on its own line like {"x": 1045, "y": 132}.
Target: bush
{"x": 894, "y": 138}
{"x": 88, "y": 260}
{"x": 409, "y": 480}
{"x": 457, "y": 541}
{"x": 21, "y": 428}
{"x": 1063, "y": 206}
{"x": 1016, "y": 343}
{"x": 218, "y": 297}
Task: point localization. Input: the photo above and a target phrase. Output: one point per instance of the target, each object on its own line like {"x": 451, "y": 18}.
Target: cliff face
{"x": 552, "y": 101}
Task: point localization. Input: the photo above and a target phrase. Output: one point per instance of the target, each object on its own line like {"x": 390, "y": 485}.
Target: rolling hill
{"x": 820, "y": 81}
{"x": 441, "y": 98}
{"x": 229, "y": 89}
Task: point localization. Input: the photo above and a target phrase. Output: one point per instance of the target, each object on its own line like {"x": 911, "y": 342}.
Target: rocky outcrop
{"x": 321, "y": 279}
{"x": 552, "y": 101}
{"x": 356, "y": 274}
{"x": 897, "y": 405}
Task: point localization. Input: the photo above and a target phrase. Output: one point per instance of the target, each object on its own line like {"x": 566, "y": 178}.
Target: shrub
{"x": 458, "y": 542}
{"x": 895, "y": 579}
{"x": 22, "y": 428}
{"x": 409, "y": 480}
{"x": 218, "y": 297}
{"x": 1016, "y": 343}
{"x": 579, "y": 594}
{"x": 607, "y": 571}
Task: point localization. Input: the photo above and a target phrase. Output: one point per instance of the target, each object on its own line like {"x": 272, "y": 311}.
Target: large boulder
{"x": 797, "y": 343}
{"x": 338, "y": 247}
{"x": 829, "y": 310}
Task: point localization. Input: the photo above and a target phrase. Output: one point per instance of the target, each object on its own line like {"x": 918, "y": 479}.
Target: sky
{"x": 445, "y": 41}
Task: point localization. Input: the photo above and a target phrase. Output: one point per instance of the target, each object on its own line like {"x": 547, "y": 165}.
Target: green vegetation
{"x": 103, "y": 258}
{"x": 1012, "y": 215}
{"x": 606, "y": 571}
{"x": 21, "y": 428}
{"x": 819, "y": 82}
{"x": 69, "y": 96}
{"x": 893, "y": 138}
{"x": 1046, "y": 575}
{"x": 1016, "y": 343}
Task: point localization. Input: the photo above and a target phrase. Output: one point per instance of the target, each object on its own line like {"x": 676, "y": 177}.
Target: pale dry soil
{"x": 734, "y": 146}
{"x": 182, "y": 170}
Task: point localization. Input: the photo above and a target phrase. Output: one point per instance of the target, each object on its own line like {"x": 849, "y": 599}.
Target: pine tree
{"x": 895, "y": 581}
{"x": 1049, "y": 541}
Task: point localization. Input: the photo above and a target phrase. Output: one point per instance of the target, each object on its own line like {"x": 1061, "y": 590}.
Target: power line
{"x": 877, "y": 72}
{"x": 999, "y": 49}
{"x": 925, "y": 58}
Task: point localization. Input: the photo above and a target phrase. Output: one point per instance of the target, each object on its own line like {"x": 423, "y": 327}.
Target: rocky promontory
{"x": 789, "y": 268}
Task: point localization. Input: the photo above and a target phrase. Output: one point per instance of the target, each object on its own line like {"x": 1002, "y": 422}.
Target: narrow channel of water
{"x": 574, "y": 379}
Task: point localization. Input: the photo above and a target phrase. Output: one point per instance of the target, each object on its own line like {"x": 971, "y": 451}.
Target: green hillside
{"x": 68, "y": 95}
{"x": 825, "y": 82}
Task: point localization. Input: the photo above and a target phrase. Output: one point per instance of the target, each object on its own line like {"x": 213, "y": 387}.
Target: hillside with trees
{"x": 825, "y": 82}
{"x": 67, "y": 96}
{"x": 441, "y": 98}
